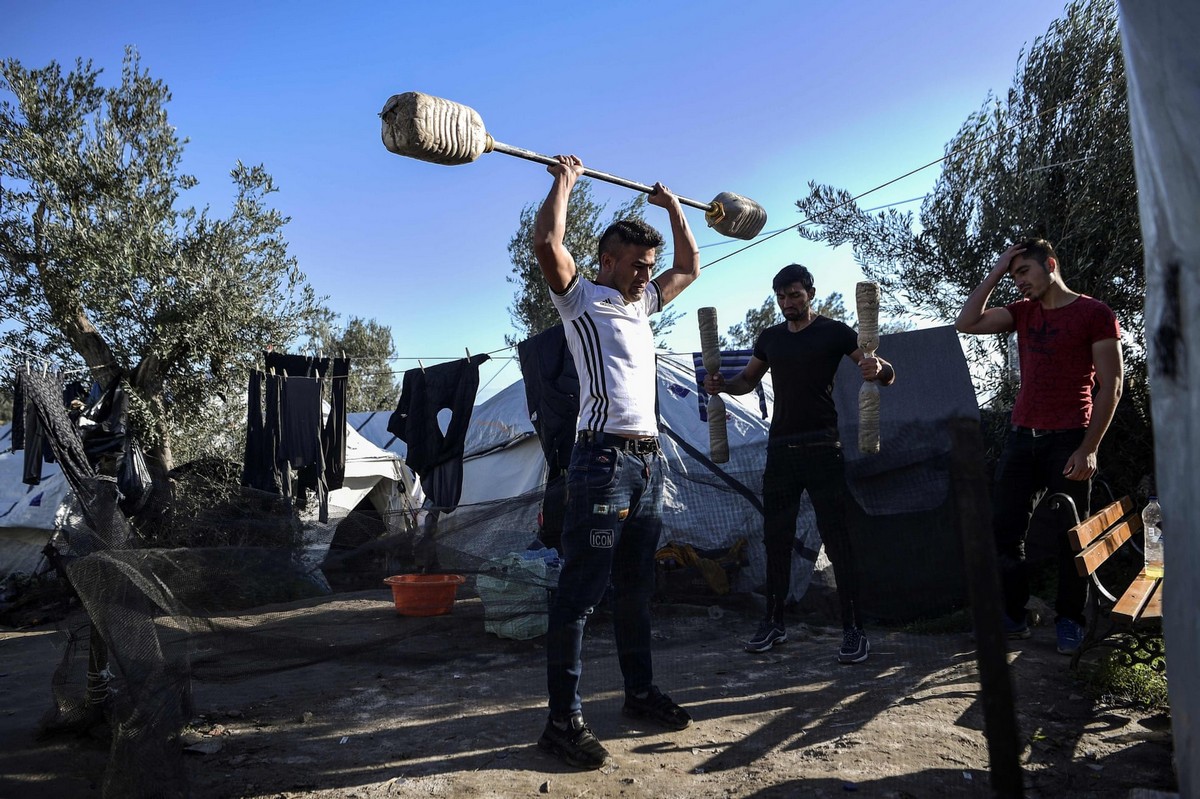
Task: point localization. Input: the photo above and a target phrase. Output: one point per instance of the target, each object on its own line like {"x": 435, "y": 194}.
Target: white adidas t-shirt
{"x": 613, "y": 348}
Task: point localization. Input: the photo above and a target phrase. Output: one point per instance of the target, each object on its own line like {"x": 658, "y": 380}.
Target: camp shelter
{"x": 29, "y": 514}
{"x": 902, "y": 509}
{"x": 504, "y": 471}
{"x": 375, "y": 481}
{"x": 902, "y": 517}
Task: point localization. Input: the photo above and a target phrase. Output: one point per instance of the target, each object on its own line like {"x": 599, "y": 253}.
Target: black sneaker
{"x": 769, "y": 634}
{"x": 657, "y": 707}
{"x": 576, "y": 744}
{"x": 855, "y": 646}
{"x": 1016, "y": 630}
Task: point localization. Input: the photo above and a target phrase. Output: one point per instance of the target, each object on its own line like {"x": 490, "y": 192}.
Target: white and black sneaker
{"x": 769, "y": 634}
{"x": 855, "y": 646}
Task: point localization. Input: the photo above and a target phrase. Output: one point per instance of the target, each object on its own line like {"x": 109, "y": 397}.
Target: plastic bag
{"x": 515, "y": 591}
{"x": 133, "y": 478}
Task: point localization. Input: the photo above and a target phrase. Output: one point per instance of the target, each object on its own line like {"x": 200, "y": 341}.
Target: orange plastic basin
{"x": 424, "y": 594}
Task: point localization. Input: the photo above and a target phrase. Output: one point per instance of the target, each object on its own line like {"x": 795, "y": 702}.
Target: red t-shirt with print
{"x": 1057, "y": 370}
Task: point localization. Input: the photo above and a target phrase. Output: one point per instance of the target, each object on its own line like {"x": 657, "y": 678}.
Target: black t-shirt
{"x": 802, "y": 368}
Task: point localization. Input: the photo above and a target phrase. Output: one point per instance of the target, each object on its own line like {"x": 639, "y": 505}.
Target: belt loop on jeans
{"x": 633, "y": 446}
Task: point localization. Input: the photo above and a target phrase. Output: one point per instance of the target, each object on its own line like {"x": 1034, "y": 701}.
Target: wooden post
{"x": 969, "y": 486}
{"x": 1162, "y": 67}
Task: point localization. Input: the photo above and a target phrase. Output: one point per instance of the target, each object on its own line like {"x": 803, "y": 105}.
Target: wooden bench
{"x": 1130, "y": 624}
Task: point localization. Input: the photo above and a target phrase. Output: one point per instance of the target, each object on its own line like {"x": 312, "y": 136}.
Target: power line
{"x": 964, "y": 148}
{"x": 766, "y": 237}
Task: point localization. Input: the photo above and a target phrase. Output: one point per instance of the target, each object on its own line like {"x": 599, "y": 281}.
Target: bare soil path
{"x": 440, "y": 708}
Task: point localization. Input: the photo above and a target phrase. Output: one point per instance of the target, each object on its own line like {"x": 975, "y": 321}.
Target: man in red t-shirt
{"x": 1071, "y": 372}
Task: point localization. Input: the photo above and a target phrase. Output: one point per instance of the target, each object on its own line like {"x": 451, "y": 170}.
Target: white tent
{"x": 504, "y": 472}
{"x": 30, "y": 515}
{"x": 503, "y": 457}
{"x": 373, "y": 474}
{"x": 904, "y": 492}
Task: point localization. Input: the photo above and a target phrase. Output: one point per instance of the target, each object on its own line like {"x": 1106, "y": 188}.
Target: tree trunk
{"x": 147, "y": 381}
{"x": 67, "y": 309}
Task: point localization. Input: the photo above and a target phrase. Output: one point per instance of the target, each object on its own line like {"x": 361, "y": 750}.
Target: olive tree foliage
{"x": 1051, "y": 158}
{"x": 103, "y": 266}
{"x": 372, "y": 385}
{"x": 742, "y": 335}
{"x": 531, "y": 311}
{"x": 745, "y": 333}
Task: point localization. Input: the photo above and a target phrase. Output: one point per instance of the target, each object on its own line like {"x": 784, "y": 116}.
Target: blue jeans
{"x": 820, "y": 469}
{"x": 611, "y": 531}
{"x": 1029, "y": 464}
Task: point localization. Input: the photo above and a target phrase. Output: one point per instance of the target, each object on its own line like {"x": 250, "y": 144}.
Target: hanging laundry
{"x": 17, "y": 431}
{"x": 552, "y": 397}
{"x": 30, "y": 436}
{"x": 435, "y": 456}
{"x": 301, "y": 442}
{"x": 300, "y": 421}
{"x": 300, "y": 409}
{"x": 259, "y": 469}
{"x": 274, "y": 432}
{"x": 551, "y": 394}
{"x": 333, "y": 437}
{"x": 42, "y": 401}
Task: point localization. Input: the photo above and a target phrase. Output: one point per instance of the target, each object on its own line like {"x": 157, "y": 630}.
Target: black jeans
{"x": 790, "y": 471}
{"x": 1029, "y": 464}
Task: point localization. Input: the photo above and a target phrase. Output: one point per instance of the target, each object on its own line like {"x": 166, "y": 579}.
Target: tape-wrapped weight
{"x": 710, "y": 350}
{"x": 866, "y": 296}
{"x": 736, "y": 216}
{"x": 718, "y": 434}
{"x": 868, "y": 418}
{"x": 433, "y": 129}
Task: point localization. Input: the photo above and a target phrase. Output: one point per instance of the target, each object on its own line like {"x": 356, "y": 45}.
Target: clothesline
{"x": 508, "y": 359}
{"x": 47, "y": 363}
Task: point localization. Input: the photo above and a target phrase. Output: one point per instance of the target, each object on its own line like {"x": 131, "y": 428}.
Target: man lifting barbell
{"x": 615, "y": 482}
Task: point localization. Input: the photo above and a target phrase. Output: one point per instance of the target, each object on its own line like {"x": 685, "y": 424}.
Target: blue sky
{"x": 757, "y": 98}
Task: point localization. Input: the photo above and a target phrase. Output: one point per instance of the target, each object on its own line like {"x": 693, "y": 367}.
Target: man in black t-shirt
{"x": 803, "y": 449}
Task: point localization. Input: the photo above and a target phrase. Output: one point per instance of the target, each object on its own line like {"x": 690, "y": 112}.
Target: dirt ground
{"x": 437, "y": 707}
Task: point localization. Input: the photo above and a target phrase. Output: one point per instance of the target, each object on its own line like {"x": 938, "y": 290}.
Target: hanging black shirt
{"x": 435, "y": 456}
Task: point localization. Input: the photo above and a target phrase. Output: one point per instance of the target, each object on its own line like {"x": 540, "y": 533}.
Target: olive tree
{"x": 372, "y": 385}
{"x": 1051, "y": 158}
{"x": 745, "y": 333}
{"x": 103, "y": 265}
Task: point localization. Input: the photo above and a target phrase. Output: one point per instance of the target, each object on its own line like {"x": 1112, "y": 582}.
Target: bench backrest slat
{"x": 1094, "y": 526}
{"x": 1099, "y": 550}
